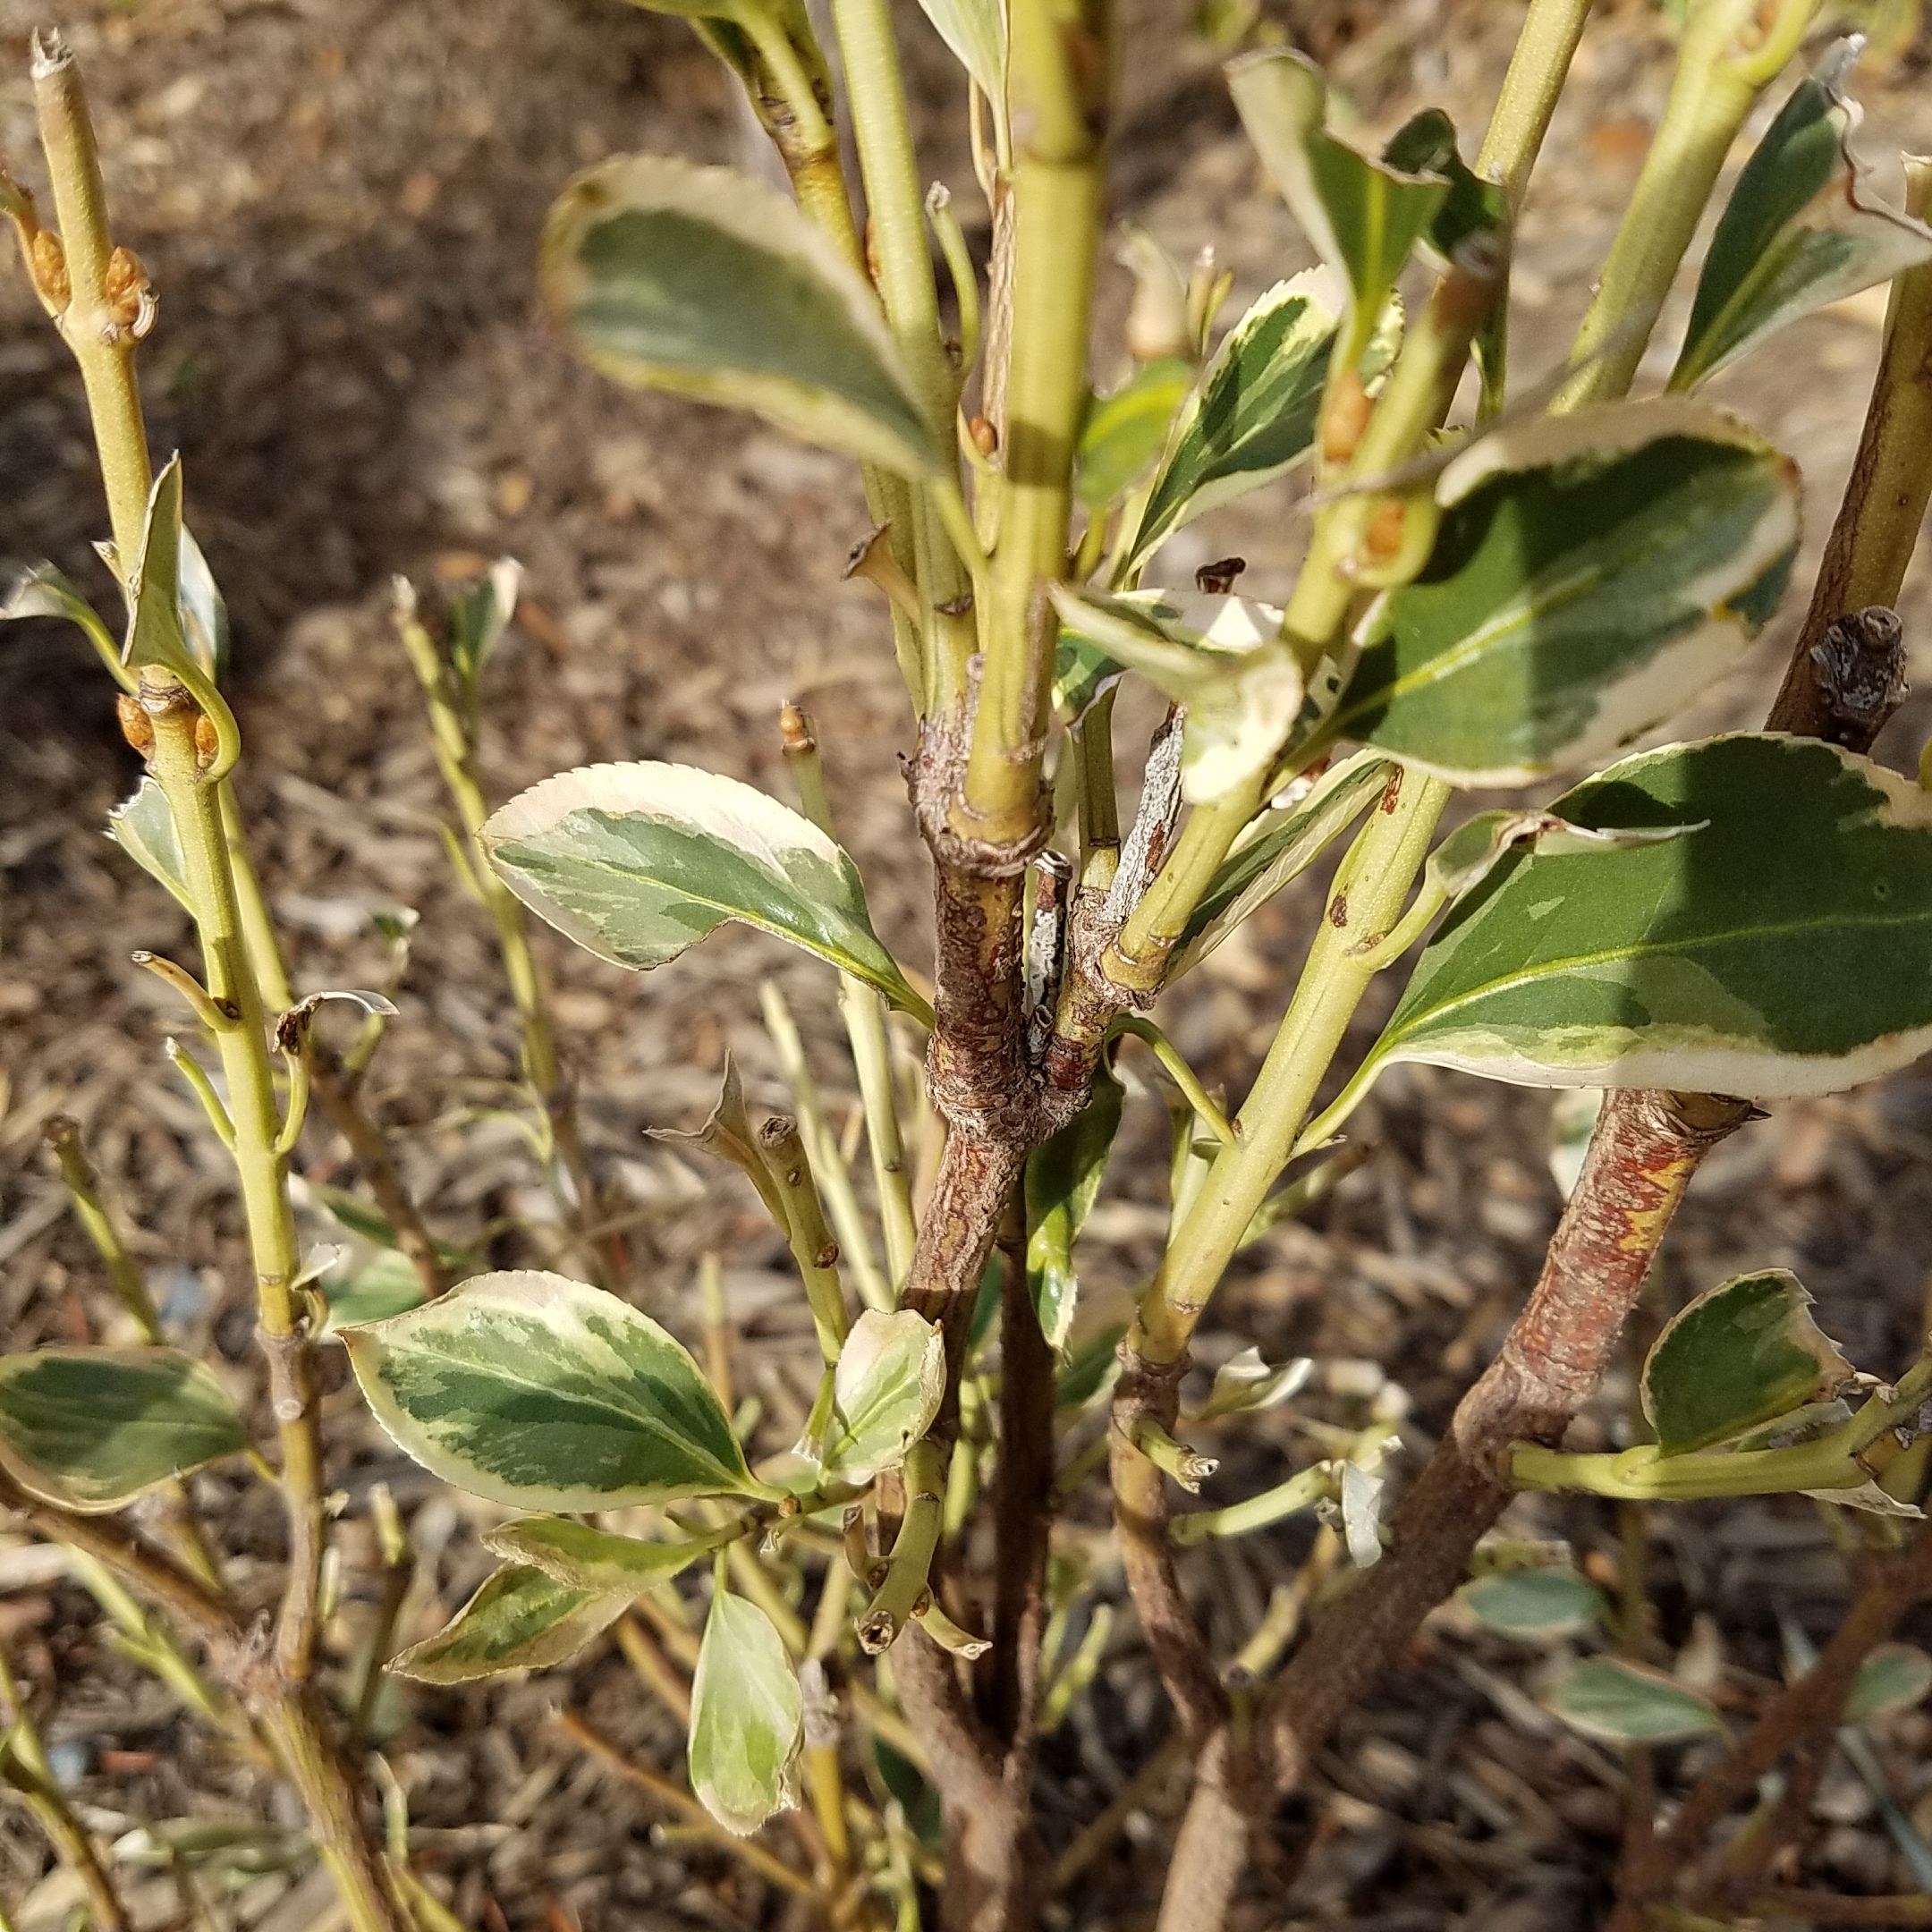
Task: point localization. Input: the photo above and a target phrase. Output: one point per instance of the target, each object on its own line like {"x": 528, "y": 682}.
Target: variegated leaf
{"x": 1279, "y": 845}
{"x": 520, "y": 1619}
{"x": 746, "y": 1716}
{"x": 636, "y": 862}
{"x": 1126, "y": 431}
{"x": 542, "y": 1392}
{"x": 597, "y": 1561}
{"x": 702, "y": 281}
{"x": 1739, "y": 1356}
{"x": 1252, "y": 418}
{"x": 1626, "y": 1703}
{"x": 1591, "y": 572}
{"x": 143, "y": 828}
{"x": 1220, "y": 656}
{"x": 1801, "y": 230}
{"x": 1362, "y": 216}
{"x": 885, "y": 1391}
{"x": 1695, "y": 962}
{"x": 89, "y": 1429}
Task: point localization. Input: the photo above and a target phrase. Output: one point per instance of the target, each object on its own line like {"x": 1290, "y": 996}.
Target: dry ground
{"x": 338, "y": 202}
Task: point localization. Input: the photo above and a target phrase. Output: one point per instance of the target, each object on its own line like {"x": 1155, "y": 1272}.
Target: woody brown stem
{"x": 1814, "y": 1704}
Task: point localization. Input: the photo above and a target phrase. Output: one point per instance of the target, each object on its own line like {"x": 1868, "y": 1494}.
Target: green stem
{"x": 1187, "y": 1468}
{"x": 83, "y": 1188}
{"x": 835, "y": 1178}
{"x": 1537, "y": 69}
{"x": 257, "y": 929}
{"x": 813, "y": 1245}
{"x": 1061, "y": 79}
{"x": 1183, "y": 1076}
{"x": 905, "y": 1582}
{"x": 1369, "y": 888}
{"x": 1727, "y": 56}
{"x": 101, "y": 340}
{"x": 1299, "y": 1492}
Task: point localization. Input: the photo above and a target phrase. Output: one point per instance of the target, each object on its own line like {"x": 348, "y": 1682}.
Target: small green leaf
{"x": 1252, "y": 418}
{"x": 727, "y": 1133}
{"x": 1245, "y": 1385}
{"x": 1221, "y": 657}
{"x": 1426, "y": 145}
{"x": 1798, "y": 231}
{"x": 204, "y": 610}
{"x": 1063, "y": 1180}
{"x": 541, "y": 1393}
{"x": 1362, "y": 1516}
{"x": 1740, "y": 1355}
{"x": 885, "y": 1391}
{"x": 976, "y": 32}
{"x": 479, "y": 618}
{"x": 637, "y": 862}
{"x": 1363, "y": 216}
{"x": 1124, "y": 432}
{"x": 46, "y": 592}
{"x": 1280, "y": 844}
{"x": 1090, "y": 1370}
{"x": 1083, "y": 674}
{"x": 1591, "y": 572}
{"x": 370, "y": 1289}
{"x": 143, "y": 828}
{"x": 1695, "y": 962}
{"x": 1537, "y": 1605}
{"x": 520, "y": 1619}
{"x": 704, "y": 282}
{"x": 89, "y": 1429}
{"x": 595, "y": 1561}
{"x": 154, "y": 635}
{"x": 1895, "y": 1677}
{"x": 1626, "y": 1704}
{"x": 746, "y": 1716}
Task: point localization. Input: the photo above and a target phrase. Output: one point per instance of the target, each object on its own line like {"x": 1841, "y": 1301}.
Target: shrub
{"x": 1696, "y": 929}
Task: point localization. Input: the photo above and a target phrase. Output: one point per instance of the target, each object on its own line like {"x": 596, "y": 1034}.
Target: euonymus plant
{"x": 1503, "y": 595}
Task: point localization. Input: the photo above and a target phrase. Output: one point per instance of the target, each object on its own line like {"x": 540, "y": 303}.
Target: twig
{"x": 1835, "y": 1907}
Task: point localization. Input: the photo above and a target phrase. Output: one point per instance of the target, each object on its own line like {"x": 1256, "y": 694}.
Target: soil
{"x": 339, "y": 205}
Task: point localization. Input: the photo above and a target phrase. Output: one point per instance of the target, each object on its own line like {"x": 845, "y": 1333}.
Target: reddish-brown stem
{"x": 1815, "y": 1703}
{"x": 1023, "y": 1496}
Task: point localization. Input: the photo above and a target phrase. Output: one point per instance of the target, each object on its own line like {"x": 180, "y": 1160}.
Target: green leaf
{"x": 154, "y": 635}
{"x": 1740, "y": 1355}
{"x": 541, "y": 1393}
{"x": 1245, "y": 1385}
{"x": 1083, "y": 674}
{"x": 1124, "y": 432}
{"x": 520, "y": 1619}
{"x": 1063, "y": 1180}
{"x": 1252, "y": 418}
{"x": 46, "y": 592}
{"x": 885, "y": 1391}
{"x": 479, "y": 618}
{"x": 370, "y": 1289}
{"x": 637, "y": 862}
{"x": 1363, "y": 216}
{"x": 204, "y": 610}
{"x": 1537, "y": 1605}
{"x": 1221, "y": 657}
{"x": 746, "y": 1716}
{"x": 1626, "y": 1704}
{"x": 1799, "y": 232}
{"x": 1591, "y": 573}
{"x": 1090, "y": 1370}
{"x": 89, "y": 1429}
{"x": 143, "y": 828}
{"x": 1895, "y": 1677}
{"x": 704, "y": 282}
{"x": 1477, "y": 846}
{"x": 1278, "y": 845}
{"x": 1426, "y": 145}
{"x": 1695, "y": 963}
{"x": 976, "y": 32}
{"x": 595, "y": 1561}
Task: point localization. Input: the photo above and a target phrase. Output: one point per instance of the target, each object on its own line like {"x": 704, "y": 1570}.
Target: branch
{"x": 1816, "y": 1702}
